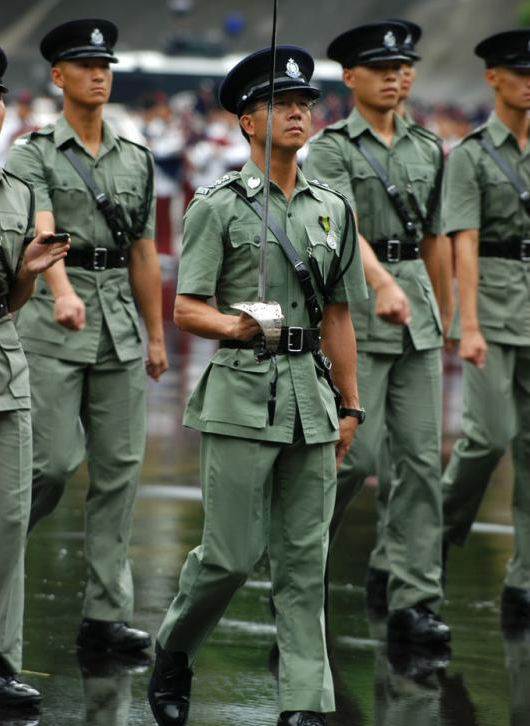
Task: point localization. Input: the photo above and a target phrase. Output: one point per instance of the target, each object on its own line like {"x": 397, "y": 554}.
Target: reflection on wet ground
{"x": 484, "y": 681}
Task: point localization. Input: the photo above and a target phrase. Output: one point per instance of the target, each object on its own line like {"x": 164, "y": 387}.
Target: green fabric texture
{"x": 410, "y": 163}
{"x": 220, "y": 256}
{"x": 121, "y": 171}
{"x": 258, "y": 495}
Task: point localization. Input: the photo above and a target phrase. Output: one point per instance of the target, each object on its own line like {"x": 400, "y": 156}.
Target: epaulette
{"x": 143, "y": 147}
{"x": 422, "y": 131}
{"x": 327, "y": 188}
{"x": 474, "y": 134}
{"x": 218, "y": 183}
{"x": 26, "y": 138}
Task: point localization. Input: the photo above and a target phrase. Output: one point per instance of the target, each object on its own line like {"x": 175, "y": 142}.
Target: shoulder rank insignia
{"x": 202, "y": 190}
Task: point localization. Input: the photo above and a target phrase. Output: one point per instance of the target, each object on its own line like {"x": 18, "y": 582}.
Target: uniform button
{"x": 257, "y": 239}
{"x": 236, "y": 363}
{"x": 294, "y": 304}
{"x": 43, "y": 291}
{"x": 289, "y": 214}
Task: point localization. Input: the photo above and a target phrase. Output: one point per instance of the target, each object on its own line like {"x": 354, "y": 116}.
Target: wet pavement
{"x": 484, "y": 681}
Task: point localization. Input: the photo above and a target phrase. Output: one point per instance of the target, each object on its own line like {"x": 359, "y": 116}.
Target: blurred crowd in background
{"x": 194, "y": 141}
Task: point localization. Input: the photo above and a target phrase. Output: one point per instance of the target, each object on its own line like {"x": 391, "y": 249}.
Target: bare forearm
{"x": 194, "y": 315}
{"x": 466, "y": 244}
{"x": 429, "y": 251}
{"x": 338, "y": 344}
{"x": 22, "y": 288}
{"x": 144, "y": 272}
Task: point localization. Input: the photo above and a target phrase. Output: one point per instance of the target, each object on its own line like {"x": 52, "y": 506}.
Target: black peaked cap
{"x": 414, "y": 35}
{"x": 250, "y": 78}
{"x": 365, "y": 44}
{"x": 510, "y": 49}
{"x": 85, "y": 38}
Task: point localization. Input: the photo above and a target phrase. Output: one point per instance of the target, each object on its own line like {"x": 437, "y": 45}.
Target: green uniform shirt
{"x": 478, "y": 195}
{"x": 16, "y": 226}
{"x": 411, "y": 162}
{"x": 220, "y": 256}
{"x": 121, "y": 170}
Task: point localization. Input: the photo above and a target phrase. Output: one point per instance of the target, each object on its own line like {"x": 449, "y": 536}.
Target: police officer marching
{"x": 389, "y": 169}
{"x": 80, "y": 329}
{"x": 488, "y": 217}
{"x": 271, "y": 437}
{"x": 21, "y": 260}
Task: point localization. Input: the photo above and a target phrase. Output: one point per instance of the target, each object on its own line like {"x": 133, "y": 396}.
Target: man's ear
{"x": 56, "y": 76}
{"x": 246, "y": 121}
{"x": 348, "y": 76}
{"x": 492, "y": 77}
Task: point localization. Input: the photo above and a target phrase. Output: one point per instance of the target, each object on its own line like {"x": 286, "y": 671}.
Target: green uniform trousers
{"x": 258, "y": 495}
{"x": 404, "y": 392}
{"x": 99, "y": 410}
{"x": 496, "y": 412}
{"x": 15, "y": 502}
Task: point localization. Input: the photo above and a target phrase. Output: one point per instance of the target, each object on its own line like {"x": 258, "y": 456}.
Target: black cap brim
{"x": 74, "y": 54}
{"x": 279, "y": 88}
{"x": 3, "y": 89}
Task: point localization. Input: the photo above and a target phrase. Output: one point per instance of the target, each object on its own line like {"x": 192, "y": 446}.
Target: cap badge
{"x": 292, "y": 69}
{"x": 389, "y": 41}
{"x": 254, "y": 182}
{"x": 97, "y": 37}
{"x": 408, "y": 40}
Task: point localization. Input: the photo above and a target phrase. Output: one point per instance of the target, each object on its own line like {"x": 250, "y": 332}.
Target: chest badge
{"x": 254, "y": 182}
{"x": 325, "y": 223}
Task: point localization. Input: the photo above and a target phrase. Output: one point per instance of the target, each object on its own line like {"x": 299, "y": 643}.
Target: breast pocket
{"x": 323, "y": 246}
{"x": 237, "y": 389}
{"x": 70, "y": 199}
{"x": 369, "y": 194}
{"x": 244, "y": 252}
{"x": 499, "y": 198}
{"x": 129, "y": 193}
{"x": 12, "y": 230}
{"x": 421, "y": 179}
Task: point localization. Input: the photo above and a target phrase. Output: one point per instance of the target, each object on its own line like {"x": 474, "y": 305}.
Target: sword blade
{"x": 262, "y": 271}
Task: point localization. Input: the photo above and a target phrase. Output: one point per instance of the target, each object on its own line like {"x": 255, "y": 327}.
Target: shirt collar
{"x": 357, "y": 125}
{"x": 498, "y": 131}
{"x": 252, "y": 178}
{"x": 63, "y": 133}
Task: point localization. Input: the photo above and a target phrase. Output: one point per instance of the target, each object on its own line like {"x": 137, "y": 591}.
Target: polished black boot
{"x": 376, "y": 585}
{"x": 301, "y": 718}
{"x": 417, "y": 624}
{"x": 170, "y": 687}
{"x": 114, "y": 636}
{"x": 14, "y": 693}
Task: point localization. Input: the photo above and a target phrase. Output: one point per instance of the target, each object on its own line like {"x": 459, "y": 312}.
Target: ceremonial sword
{"x": 268, "y": 314}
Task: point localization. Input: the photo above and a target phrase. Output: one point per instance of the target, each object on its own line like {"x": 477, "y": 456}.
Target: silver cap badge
{"x": 254, "y": 182}
{"x": 389, "y": 41}
{"x": 292, "y": 69}
{"x": 97, "y": 37}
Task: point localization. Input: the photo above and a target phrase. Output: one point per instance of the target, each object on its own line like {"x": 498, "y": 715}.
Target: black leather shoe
{"x": 14, "y": 693}
{"x": 118, "y": 636}
{"x": 170, "y": 687}
{"x": 515, "y": 606}
{"x": 417, "y": 625}
{"x": 376, "y": 584}
{"x": 301, "y": 718}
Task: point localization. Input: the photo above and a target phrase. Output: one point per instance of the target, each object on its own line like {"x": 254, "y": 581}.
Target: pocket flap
{"x": 240, "y": 359}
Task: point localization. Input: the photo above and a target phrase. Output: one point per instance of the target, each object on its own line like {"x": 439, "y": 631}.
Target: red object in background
{"x": 163, "y": 226}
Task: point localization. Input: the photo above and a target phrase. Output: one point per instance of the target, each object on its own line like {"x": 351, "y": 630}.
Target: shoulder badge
{"x": 217, "y": 184}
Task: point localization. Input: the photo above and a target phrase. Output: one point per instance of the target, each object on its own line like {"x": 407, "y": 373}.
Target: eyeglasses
{"x": 281, "y": 105}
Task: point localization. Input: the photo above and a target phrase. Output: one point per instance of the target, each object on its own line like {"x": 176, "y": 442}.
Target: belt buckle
{"x": 393, "y": 250}
{"x": 99, "y": 261}
{"x": 292, "y": 346}
{"x": 525, "y": 250}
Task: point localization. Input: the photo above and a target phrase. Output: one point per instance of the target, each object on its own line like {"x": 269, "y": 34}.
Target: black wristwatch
{"x": 358, "y": 413}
